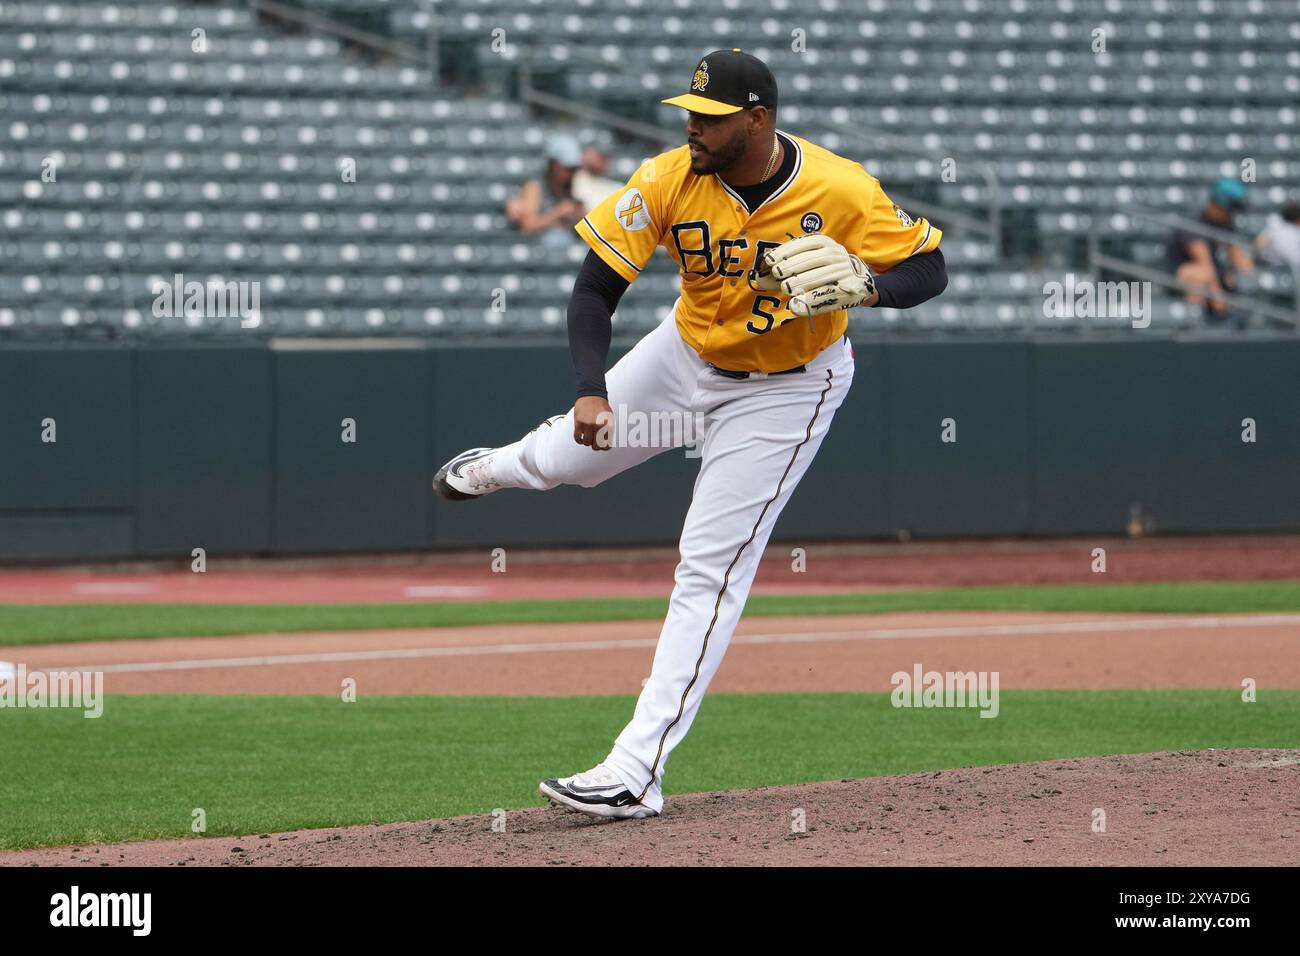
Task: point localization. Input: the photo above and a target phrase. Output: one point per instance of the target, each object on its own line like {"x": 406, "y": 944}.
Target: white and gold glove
{"x": 818, "y": 274}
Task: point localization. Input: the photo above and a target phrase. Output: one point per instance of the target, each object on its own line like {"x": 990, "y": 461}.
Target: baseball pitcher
{"x": 775, "y": 238}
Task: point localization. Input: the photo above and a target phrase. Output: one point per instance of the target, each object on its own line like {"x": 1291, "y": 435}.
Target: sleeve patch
{"x": 631, "y": 211}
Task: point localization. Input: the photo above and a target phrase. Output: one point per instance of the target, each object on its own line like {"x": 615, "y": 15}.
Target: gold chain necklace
{"x": 771, "y": 163}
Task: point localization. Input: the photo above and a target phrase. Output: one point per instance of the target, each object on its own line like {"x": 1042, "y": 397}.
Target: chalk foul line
{"x": 806, "y": 637}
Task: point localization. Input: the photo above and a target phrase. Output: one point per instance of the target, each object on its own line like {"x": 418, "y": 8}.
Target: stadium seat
{"x": 232, "y": 162}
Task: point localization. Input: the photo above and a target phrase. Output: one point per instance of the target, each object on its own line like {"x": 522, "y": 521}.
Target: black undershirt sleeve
{"x": 595, "y": 296}
{"x": 912, "y": 281}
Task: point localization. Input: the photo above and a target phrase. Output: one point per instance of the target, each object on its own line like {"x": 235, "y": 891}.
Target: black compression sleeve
{"x": 912, "y": 281}
{"x": 596, "y": 292}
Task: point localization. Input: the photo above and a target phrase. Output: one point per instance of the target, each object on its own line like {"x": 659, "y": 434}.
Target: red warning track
{"x": 532, "y": 575}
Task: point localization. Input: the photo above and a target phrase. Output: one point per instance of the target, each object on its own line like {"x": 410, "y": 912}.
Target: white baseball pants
{"x": 759, "y": 436}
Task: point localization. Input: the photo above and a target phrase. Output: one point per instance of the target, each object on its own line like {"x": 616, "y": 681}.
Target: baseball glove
{"x": 818, "y": 274}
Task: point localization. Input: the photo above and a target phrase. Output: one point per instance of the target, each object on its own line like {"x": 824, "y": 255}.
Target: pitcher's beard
{"x": 716, "y": 161}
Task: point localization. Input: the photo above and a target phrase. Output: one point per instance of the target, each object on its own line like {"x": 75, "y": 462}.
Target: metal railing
{"x": 374, "y": 41}
{"x": 1097, "y": 260}
{"x": 863, "y": 141}
{"x": 990, "y": 226}
{"x": 647, "y": 132}
{"x": 319, "y": 24}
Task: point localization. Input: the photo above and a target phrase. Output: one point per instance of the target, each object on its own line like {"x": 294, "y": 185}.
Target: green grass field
{"x": 47, "y": 624}
{"x": 263, "y": 764}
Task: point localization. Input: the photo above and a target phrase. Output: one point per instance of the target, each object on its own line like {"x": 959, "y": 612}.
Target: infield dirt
{"x": 1210, "y": 808}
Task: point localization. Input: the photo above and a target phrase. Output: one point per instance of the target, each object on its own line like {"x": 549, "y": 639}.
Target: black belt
{"x": 730, "y": 374}
{"x": 744, "y": 375}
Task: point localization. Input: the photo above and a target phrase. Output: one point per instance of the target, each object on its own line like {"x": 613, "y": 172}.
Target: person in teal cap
{"x": 1207, "y": 264}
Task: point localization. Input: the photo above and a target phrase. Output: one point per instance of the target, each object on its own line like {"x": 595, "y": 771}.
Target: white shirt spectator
{"x": 591, "y": 190}
{"x": 1279, "y": 242}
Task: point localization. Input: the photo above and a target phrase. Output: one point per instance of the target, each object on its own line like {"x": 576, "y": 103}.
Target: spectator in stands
{"x": 1211, "y": 264}
{"x": 590, "y": 184}
{"x": 548, "y": 205}
{"x": 1279, "y": 242}
{"x": 594, "y": 161}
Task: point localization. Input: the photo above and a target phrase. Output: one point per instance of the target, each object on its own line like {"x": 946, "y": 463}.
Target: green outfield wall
{"x": 110, "y": 451}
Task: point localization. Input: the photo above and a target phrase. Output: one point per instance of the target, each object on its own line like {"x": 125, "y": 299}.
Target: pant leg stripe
{"x": 726, "y": 580}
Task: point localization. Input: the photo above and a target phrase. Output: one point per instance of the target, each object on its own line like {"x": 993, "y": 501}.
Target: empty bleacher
{"x": 129, "y": 156}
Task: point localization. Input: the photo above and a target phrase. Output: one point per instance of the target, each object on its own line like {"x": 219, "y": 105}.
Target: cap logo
{"x": 753, "y": 97}
{"x": 701, "y": 78}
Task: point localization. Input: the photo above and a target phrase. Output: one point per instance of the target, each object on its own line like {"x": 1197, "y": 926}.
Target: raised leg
{"x": 650, "y": 391}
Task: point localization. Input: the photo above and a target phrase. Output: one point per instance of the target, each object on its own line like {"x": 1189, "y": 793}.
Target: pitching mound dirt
{"x": 1206, "y": 808}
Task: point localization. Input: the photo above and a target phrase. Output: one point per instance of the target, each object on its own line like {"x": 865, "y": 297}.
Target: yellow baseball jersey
{"x": 716, "y": 243}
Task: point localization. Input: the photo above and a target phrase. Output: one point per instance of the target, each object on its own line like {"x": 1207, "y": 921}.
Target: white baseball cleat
{"x": 468, "y": 475}
{"x": 598, "y": 792}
